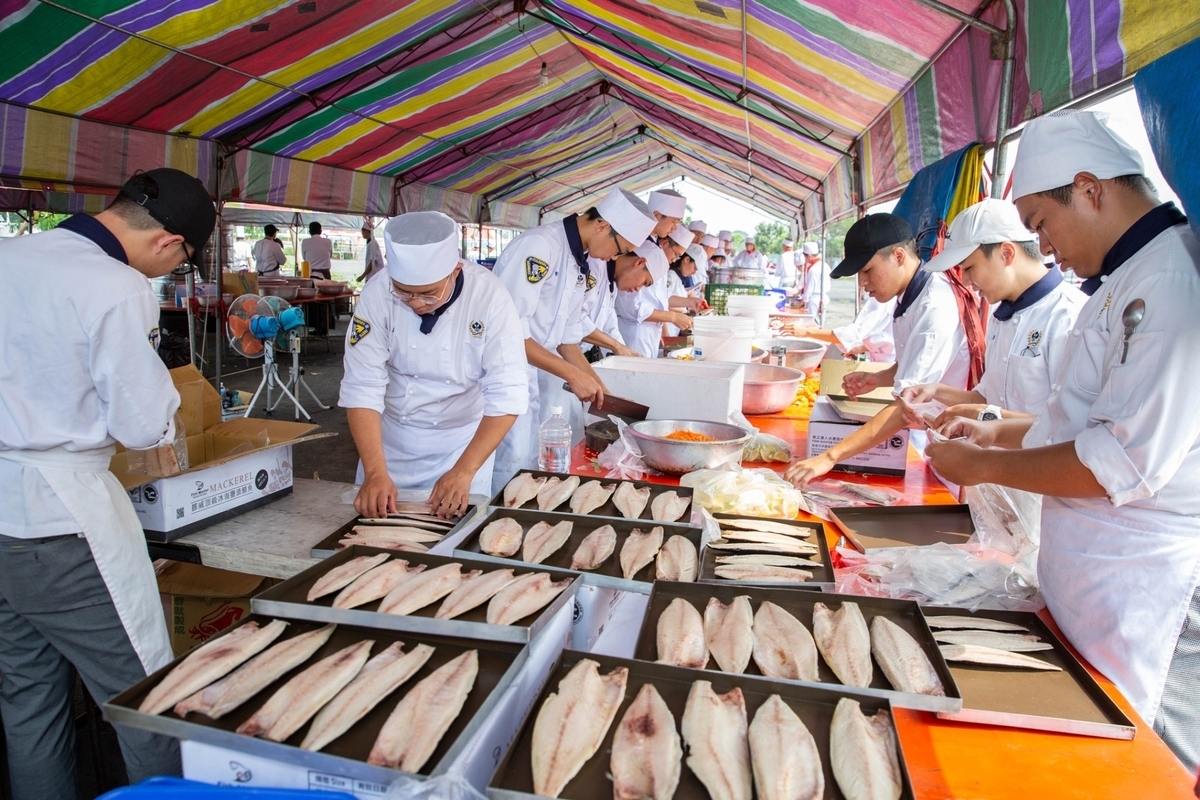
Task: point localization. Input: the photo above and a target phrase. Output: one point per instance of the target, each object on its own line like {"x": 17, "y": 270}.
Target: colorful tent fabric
{"x": 804, "y": 108}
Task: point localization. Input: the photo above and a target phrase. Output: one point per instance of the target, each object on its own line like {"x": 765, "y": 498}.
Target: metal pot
{"x": 677, "y": 457}
{"x": 767, "y": 389}
{"x": 800, "y": 353}
{"x": 283, "y": 292}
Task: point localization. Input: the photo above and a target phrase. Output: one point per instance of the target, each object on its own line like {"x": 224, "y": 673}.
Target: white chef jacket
{"x": 872, "y": 330}
{"x": 747, "y": 260}
{"x": 634, "y": 308}
{"x": 318, "y": 252}
{"x": 675, "y": 288}
{"x": 816, "y": 287}
{"x": 599, "y": 302}
{"x": 372, "y": 258}
{"x": 931, "y": 345}
{"x": 79, "y": 380}
{"x": 1025, "y": 352}
{"x": 433, "y": 389}
{"x": 268, "y": 256}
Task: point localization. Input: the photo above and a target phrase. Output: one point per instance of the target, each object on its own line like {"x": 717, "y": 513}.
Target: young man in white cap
{"x": 372, "y": 257}
{"x": 641, "y": 314}
{"x": 1116, "y": 453}
{"x": 668, "y": 207}
{"x": 815, "y": 291}
{"x": 627, "y": 273}
{"x": 869, "y": 333}
{"x": 709, "y": 244}
{"x": 786, "y": 269}
{"x": 698, "y": 227}
{"x": 725, "y": 240}
{"x": 435, "y": 371}
{"x": 545, "y": 270}
{"x": 750, "y": 258}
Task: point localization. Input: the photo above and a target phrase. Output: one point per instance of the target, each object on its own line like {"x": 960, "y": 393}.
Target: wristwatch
{"x": 989, "y": 414}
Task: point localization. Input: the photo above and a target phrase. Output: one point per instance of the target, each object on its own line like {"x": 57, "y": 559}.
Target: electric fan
{"x": 255, "y": 324}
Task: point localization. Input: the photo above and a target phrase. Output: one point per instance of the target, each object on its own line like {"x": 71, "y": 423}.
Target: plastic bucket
{"x": 723, "y": 338}
{"x": 758, "y": 309}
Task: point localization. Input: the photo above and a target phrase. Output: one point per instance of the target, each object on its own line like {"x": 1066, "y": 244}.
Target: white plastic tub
{"x": 723, "y": 338}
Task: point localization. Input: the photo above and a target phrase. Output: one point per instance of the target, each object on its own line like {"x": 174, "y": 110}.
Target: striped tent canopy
{"x": 512, "y": 111}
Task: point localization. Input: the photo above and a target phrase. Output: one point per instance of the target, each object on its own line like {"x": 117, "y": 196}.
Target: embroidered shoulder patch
{"x": 535, "y": 269}
{"x": 155, "y": 337}
{"x": 591, "y": 281}
{"x": 359, "y": 330}
{"x": 477, "y": 328}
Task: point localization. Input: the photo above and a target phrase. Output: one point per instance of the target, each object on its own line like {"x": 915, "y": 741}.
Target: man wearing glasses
{"x": 641, "y": 314}
{"x": 435, "y": 371}
{"x": 79, "y": 325}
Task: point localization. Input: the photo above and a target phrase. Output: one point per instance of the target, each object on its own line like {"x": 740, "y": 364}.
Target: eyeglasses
{"x": 408, "y": 299}
{"x": 620, "y": 250}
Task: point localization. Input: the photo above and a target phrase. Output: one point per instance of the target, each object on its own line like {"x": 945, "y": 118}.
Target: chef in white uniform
{"x": 680, "y": 296}
{"x": 268, "y": 254}
{"x": 599, "y": 313}
{"x": 787, "y": 266}
{"x": 870, "y": 332}
{"x": 80, "y": 374}
{"x": 750, "y": 258}
{"x": 641, "y": 314}
{"x": 545, "y": 271}
{"x": 317, "y": 250}
{"x": 372, "y": 257}
{"x": 1116, "y": 453}
{"x": 435, "y": 371}
{"x": 725, "y": 241}
{"x": 931, "y": 345}
{"x": 815, "y": 294}
{"x": 698, "y": 227}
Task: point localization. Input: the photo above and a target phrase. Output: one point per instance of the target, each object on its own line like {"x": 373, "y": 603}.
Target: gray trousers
{"x": 55, "y": 613}
{"x": 1178, "y": 721}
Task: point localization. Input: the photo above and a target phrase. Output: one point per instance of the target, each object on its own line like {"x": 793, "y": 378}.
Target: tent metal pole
{"x": 1004, "y": 112}
{"x": 963, "y": 16}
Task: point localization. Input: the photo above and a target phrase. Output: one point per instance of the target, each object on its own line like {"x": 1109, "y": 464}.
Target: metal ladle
{"x": 1131, "y": 317}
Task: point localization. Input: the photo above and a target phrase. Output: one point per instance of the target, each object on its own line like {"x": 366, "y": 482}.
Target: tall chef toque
{"x": 698, "y": 226}
{"x": 669, "y": 203}
{"x": 1057, "y": 147}
{"x": 422, "y": 247}
{"x": 628, "y": 215}
{"x": 681, "y": 235}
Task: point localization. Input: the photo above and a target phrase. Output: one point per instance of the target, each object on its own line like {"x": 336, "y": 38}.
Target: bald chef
{"x": 434, "y": 370}
{"x": 545, "y": 270}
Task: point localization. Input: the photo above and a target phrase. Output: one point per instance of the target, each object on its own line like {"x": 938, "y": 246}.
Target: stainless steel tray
{"x": 799, "y": 603}
{"x": 823, "y": 577}
{"x": 289, "y": 599}
{"x": 499, "y": 664}
{"x": 609, "y": 509}
{"x": 329, "y": 545}
{"x": 608, "y": 574}
{"x": 903, "y": 526}
{"x": 814, "y": 704}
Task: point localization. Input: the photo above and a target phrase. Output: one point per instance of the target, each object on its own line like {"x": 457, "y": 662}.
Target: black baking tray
{"x": 813, "y": 704}
{"x": 609, "y": 509}
{"x": 329, "y": 545}
{"x": 822, "y": 576}
{"x": 1064, "y": 702}
{"x": 904, "y": 526}
{"x": 799, "y": 603}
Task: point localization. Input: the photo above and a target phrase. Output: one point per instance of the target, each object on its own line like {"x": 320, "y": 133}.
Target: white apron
{"x": 1119, "y": 584}
{"x": 418, "y": 457}
{"x": 519, "y": 450}
{"x": 101, "y": 506}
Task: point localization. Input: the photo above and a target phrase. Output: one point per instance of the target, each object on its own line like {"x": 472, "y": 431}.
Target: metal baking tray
{"x": 289, "y": 599}
{"x": 799, "y": 603}
{"x": 812, "y": 703}
{"x": 1063, "y": 702}
{"x": 499, "y": 664}
{"x": 822, "y": 576}
{"x": 609, "y": 509}
{"x": 903, "y": 526}
{"x": 329, "y": 545}
{"x": 608, "y": 574}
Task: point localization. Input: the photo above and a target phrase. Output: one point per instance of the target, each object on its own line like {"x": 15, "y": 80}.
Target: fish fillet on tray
{"x": 412, "y": 530}
{"x": 767, "y": 552}
{"x": 595, "y": 496}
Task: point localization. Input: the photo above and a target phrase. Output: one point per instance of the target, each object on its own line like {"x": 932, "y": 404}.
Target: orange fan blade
{"x": 238, "y": 326}
{"x": 250, "y": 345}
{"x": 250, "y": 305}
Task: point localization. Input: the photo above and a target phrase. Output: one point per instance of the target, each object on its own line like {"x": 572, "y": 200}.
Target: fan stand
{"x": 295, "y": 381}
{"x": 270, "y": 380}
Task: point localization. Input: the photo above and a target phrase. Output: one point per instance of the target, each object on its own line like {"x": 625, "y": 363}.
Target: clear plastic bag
{"x": 161, "y": 461}
{"x": 623, "y": 458}
{"x": 1006, "y": 520}
{"x": 449, "y": 786}
{"x": 761, "y": 447}
{"x": 752, "y": 492}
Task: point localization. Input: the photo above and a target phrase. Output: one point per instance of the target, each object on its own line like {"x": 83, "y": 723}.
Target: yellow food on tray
{"x": 689, "y": 436}
{"x": 806, "y": 395}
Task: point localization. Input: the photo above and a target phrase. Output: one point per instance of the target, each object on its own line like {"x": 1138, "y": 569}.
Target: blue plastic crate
{"x": 178, "y": 789}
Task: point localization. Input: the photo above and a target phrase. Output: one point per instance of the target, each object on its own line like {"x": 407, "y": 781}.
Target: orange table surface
{"x": 959, "y": 761}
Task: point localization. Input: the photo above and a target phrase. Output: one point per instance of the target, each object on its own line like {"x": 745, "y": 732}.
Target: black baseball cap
{"x": 178, "y": 201}
{"x": 867, "y": 237}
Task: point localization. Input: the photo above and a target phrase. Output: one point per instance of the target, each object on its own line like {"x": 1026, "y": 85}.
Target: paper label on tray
{"x": 219, "y": 766}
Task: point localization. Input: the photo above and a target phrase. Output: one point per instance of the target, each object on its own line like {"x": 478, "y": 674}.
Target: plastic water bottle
{"x": 554, "y": 443}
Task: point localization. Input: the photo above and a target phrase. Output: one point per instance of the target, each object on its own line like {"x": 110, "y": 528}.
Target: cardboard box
{"x": 199, "y": 602}
{"x": 866, "y": 406}
{"x": 826, "y": 428}
{"x": 239, "y": 283}
{"x": 233, "y": 467}
{"x": 675, "y": 389}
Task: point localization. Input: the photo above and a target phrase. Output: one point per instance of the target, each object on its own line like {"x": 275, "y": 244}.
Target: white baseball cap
{"x": 681, "y": 235}
{"x": 1057, "y": 147}
{"x": 628, "y": 215}
{"x": 422, "y": 247}
{"x": 989, "y": 221}
{"x": 708, "y": 240}
{"x": 725, "y": 236}
{"x": 810, "y": 249}
{"x": 749, "y": 240}
{"x": 668, "y": 202}
{"x": 698, "y": 226}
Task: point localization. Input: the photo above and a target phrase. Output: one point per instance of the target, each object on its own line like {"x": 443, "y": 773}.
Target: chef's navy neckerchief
{"x": 571, "y": 226}
{"x": 1044, "y": 286}
{"x": 91, "y": 228}
{"x": 611, "y": 265}
{"x": 912, "y": 292}
{"x": 1138, "y": 236}
{"x": 430, "y": 319}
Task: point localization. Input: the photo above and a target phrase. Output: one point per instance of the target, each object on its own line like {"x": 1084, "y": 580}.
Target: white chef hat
{"x": 810, "y": 249}
{"x": 708, "y": 240}
{"x": 748, "y": 240}
{"x": 699, "y": 256}
{"x": 627, "y": 215}
{"x": 720, "y": 251}
{"x": 989, "y": 221}
{"x": 681, "y": 235}
{"x": 1057, "y": 147}
{"x": 698, "y": 226}
{"x": 656, "y": 259}
{"x": 422, "y": 247}
{"x": 788, "y": 242}
{"x": 725, "y": 236}
{"x": 668, "y": 202}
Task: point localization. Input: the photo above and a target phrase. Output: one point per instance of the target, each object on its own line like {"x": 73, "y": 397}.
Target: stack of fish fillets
{"x": 770, "y": 552}
{"x": 606, "y": 727}
{"x": 875, "y": 646}
{"x": 423, "y": 592}
{"x": 357, "y": 702}
{"x": 531, "y": 490}
{"x": 412, "y": 529}
{"x": 612, "y": 553}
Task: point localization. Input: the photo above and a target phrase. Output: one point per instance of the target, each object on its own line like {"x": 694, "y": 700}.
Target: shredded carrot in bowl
{"x": 688, "y": 436}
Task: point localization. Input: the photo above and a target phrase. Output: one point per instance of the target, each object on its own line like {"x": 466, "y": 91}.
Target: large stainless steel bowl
{"x": 676, "y": 457}
{"x": 802, "y": 354}
{"x": 283, "y": 292}
{"x": 767, "y": 389}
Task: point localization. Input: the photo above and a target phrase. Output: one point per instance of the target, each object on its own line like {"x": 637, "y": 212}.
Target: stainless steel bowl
{"x": 284, "y": 292}
{"x": 331, "y": 287}
{"x": 305, "y": 293}
{"x": 767, "y": 389}
{"x": 676, "y": 457}
{"x": 802, "y": 354}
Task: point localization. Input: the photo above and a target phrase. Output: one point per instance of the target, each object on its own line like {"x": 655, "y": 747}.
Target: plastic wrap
{"x": 751, "y": 492}
{"x": 623, "y": 458}
{"x": 761, "y": 446}
{"x": 161, "y": 461}
{"x": 441, "y": 787}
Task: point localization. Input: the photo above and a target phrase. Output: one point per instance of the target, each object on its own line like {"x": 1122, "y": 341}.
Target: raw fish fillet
{"x": 541, "y": 543}
{"x": 972, "y": 654}
{"x": 423, "y": 509}
{"x": 765, "y": 526}
{"x": 521, "y": 489}
{"x": 385, "y": 544}
{"x": 410, "y": 521}
{"x": 590, "y": 496}
{"x": 1012, "y": 642}
{"x": 421, "y": 590}
{"x": 630, "y": 500}
{"x": 677, "y": 560}
{"x": 524, "y": 596}
{"x": 381, "y": 676}
{"x": 668, "y": 507}
{"x": 756, "y": 573}
{"x": 783, "y": 647}
{"x": 572, "y": 722}
{"x": 799, "y": 548}
{"x": 395, "y": 533}
{"x": 304, "y": 695}
{"x": 729, "y": 633}
{"x": 680, "y": 636}
{"x": 902, "y": 659}
{"x": 556, "y": 491}
{"x": 595, "y": 549}
{"x": 377, "y": 583}
{"x": 714, "y": 728}
{"x": 951, "y": 621}
{"x": 639, "y": 549}
{"x": 473, "y": 593}
{"x": 844, "y": 642}
{"x": 344, "y": 574}
{"x": 646, "y": 755}
{"x": 218, "y": 699}
{"x": 863, "y": 752}
{"x": 767, "y": 560}
{"x": 501, "y": 537}
{"x": 423, "y": 716}
{"x": 210, "y": 662}
{"x": 787, "y": 763}
{"x": 761, "y": 537}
